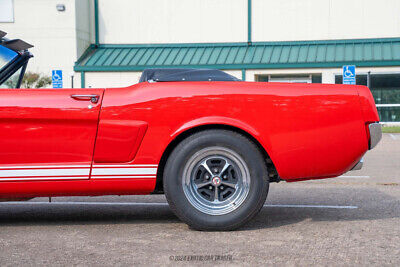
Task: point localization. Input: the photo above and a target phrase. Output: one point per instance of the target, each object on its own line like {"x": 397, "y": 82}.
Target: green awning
{"x": 260, "y": 55}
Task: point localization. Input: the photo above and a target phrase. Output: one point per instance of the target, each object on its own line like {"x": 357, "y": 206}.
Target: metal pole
{"x": 96, "y": 23}
{"x": 82, "y": 79}
{"x": 249, "y": 22}
{"x": 369, "y": 79}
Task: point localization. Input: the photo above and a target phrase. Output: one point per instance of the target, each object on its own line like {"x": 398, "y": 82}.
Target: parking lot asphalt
{"x": 349, "y": 220}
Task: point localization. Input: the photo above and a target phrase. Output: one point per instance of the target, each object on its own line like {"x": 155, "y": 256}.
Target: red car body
{"x": 53, "y": 144}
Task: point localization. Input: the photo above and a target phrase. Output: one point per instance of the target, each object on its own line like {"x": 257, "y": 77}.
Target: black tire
{"x": 175, "y": 186}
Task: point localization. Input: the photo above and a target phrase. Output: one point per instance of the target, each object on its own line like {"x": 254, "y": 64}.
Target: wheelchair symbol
{"x": 348, "y": 73}
{"x": 56, "y": 77}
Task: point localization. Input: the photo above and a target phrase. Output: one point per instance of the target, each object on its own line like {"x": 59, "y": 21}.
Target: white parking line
{"x": 394, "y": 137}
{"x": 163, "y": 204}
{"x": 312, "y": 206}
{"x": 355, "y": 176}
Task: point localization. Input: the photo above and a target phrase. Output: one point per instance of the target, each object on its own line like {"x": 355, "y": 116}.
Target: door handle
{"x": 92, "y": 98}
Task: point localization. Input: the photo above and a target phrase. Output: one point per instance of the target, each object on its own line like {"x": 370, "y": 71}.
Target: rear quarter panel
{"x": 309, "y": 131}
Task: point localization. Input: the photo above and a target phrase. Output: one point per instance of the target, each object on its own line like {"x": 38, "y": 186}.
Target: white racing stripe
{"x": 123, "y": 171}
{"x": 124, "y": 177}
{"x": 164, "y": 204}
{"x": 43, "y": 178}
{"x": 43, "y": 172}
{"x": 126, "y": 166}
{"x": 57, "y": 172}
{"x": 45, "y": 167}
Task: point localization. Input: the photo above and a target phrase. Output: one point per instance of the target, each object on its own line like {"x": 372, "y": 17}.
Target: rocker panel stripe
{"x": 57, "y": 172}
{"x": 43, "y": 172}
{"x": 123, "y": 177}
{"x": 123, "y": 171}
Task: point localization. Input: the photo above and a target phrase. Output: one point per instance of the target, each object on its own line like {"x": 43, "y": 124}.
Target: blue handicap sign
{"x": 349, "y": 74}
{"x": 57, "y": 79}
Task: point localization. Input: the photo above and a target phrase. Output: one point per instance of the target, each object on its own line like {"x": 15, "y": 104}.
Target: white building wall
{"x": 235, "y": 73}
{"x": 59, "y": 37}
{"x": 84, "y": 25}
{"x": 172, "y": 21}
{"x": 51, "y": 32}
{"x": 290, "y": 20}
{"x": 199, "y": 21}
{"x": 111, "y": 79}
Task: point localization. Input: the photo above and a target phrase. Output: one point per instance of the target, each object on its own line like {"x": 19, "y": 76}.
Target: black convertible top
{"x": 172, "y": 75}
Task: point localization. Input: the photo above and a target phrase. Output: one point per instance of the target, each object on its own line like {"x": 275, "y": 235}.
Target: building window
{"x": 6, "y": 11}
{"x": 386, "y": 91}
{"x": 301, "y": 78}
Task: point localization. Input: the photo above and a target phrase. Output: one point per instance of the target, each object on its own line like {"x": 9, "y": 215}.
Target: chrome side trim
{"x": 375, "y": 134}
{"x": 358, "y": 166}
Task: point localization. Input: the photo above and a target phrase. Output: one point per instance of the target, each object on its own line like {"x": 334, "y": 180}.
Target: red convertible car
{"x": 208, "y": 141}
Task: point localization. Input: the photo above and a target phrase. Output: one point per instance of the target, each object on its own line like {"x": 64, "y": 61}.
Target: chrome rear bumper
{"x": 375, "y": 134}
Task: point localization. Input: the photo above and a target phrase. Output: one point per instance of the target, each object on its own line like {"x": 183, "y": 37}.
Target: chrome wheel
{"x": 216, "y": 180}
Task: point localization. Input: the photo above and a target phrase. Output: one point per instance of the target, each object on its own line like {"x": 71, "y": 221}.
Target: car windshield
{"x": 6, "y": 55}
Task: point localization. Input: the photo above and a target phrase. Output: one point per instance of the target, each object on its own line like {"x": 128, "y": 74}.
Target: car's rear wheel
{"x": 216, "y": 180}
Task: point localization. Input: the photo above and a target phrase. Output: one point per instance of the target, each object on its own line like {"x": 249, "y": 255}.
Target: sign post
{"x": 57, "y": 79}
{"x": 349, "y": 74}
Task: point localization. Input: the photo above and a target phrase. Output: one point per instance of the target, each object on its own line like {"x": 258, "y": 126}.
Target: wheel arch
{"x": 183, "y": 134}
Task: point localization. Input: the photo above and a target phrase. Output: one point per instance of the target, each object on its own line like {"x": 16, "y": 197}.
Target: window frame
{"x": 20, "y": 61}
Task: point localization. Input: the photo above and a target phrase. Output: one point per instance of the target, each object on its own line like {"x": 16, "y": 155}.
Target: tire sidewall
{"x": 174, "y": 172}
